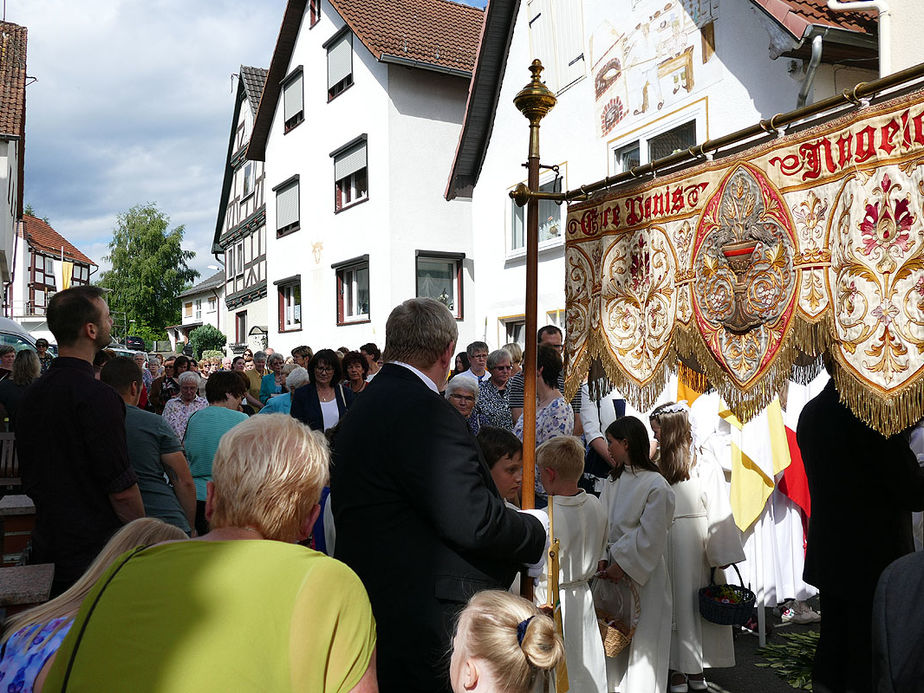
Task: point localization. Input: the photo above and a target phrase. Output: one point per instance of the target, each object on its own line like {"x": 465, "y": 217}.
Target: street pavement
{"x": 747, "y": 678}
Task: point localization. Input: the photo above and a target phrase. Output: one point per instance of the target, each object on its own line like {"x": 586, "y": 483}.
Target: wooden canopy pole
{"x": 534, "y": 101}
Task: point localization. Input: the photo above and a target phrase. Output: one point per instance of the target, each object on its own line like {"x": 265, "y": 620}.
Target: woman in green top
{"x": 224, "y": 390}
{"x": 243, "y": 608}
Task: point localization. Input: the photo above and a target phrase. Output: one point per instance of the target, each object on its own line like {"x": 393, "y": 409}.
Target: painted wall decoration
{"x": 648, "y": 63}
{"x": 811, "y": 242}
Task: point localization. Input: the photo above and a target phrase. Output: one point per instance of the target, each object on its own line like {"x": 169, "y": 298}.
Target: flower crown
{"x": 675, "y": 408}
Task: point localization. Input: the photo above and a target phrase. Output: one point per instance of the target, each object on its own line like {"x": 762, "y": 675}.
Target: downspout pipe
{"x": 810, "y": 71}
{"x": 885, "y": 27}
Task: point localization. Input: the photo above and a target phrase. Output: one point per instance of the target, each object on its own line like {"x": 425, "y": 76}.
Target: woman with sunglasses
{"x": 492, "y": 408}
{"x": 322, "y": 402}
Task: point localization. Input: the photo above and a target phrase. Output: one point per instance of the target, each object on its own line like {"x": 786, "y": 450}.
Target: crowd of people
{"x": 341, "y": 520}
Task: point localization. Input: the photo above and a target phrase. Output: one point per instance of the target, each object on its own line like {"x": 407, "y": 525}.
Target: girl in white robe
{"x": 639, "y": 506}
{"x": 703, "y": 536}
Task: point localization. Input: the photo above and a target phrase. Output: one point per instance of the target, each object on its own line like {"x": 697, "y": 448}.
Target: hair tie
{"x": 521, "y": 629}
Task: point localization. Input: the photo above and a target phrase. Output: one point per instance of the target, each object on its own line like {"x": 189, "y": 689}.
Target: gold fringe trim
{"x": 695, "y": 380}
{"x": 798, "y": 359}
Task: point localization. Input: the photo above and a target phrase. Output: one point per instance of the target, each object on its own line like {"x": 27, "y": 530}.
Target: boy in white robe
{"x": 580, "y": 527}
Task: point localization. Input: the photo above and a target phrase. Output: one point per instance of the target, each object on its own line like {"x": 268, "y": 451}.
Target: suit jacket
{"x": 420, "y": 521}
{"x": 306, "y": 407}
{"x": 863, "y": 488}
{"x": 898, "y": 627}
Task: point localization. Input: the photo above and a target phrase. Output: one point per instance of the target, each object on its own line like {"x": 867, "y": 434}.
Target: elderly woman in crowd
{"x": 274, "y": 382}
{"x": 178, "y": 410}
{"x": 313, "y": 630}
{"x": 322, "y": 402}
{"x": 516, "y": 357}
{"x": 356, "y": 369}
{"x": 462, "y": 393}
{"x": 296, "y": 377}
{"x": 492, "y": 408}
{"x": 31, "y": 638}
{"x": 26, "y": 368}
{"x": 225, "y": 391}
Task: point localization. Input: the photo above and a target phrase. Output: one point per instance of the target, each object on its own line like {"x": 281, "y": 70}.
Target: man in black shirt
{"x": 71, "y": 443}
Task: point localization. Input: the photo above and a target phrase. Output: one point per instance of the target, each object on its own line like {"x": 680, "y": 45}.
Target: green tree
{"x": 206, "y": 338}
{"x": 149, "y": 271}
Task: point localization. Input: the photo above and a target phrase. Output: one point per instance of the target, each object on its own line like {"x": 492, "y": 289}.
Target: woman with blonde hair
{"x": 30, "y": 638}
{"x": 702, "y": 538}
{"x": 266, "y": 613}
{"x": 503, "y": 643}
{"x": 516, "y": 357}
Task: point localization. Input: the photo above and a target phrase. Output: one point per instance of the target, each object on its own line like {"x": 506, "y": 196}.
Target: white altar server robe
{"x": 580, "y": 527}
{"x": 639, "y": 509}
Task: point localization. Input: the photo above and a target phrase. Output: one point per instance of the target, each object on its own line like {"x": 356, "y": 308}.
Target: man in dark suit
{"x": 863, "y": 488}
{"x": 417, "y": 514}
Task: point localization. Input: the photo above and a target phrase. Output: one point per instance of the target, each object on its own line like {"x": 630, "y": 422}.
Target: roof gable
{"x": 215, "y": 281}
{"x": 253, "y": 79}
{"x": 40, "y": 236}
{"x": 397, "y": 31}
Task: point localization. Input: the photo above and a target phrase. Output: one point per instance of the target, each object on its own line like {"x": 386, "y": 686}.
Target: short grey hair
{"x": 140, "y": 353}
{"x": 297, "y": 377}
{"x": 188, "y": 376}
{"x": 475, "y": 346}
{"x": 259, "y": 356}
{"x": 419, "y": 331}
{"x": 273, "y": 358}
{"x": 462, "y": 382}
{"x": 498, "y": 355}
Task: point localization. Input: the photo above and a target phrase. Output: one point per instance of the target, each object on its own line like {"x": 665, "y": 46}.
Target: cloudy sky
{"x": 132, "y": 103}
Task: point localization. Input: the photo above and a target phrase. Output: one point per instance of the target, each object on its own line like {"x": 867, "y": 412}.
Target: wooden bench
{"x": 17, "y": 520}
{"x": 9, "y": 462}
{"x": 25, "y": 586}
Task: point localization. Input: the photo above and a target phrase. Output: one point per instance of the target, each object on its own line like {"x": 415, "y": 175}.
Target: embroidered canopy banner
{"x": 810, "y": 243}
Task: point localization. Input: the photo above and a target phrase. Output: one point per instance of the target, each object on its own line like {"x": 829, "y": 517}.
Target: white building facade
{"x": 635, "y": 82}
{"x": 46, "y": 262}
{"x": 240, "y": 231}
{"x": 199, "y": 305}
{"x": 357, "y": 125}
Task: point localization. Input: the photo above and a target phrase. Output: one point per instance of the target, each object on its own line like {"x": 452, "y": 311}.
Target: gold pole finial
{"x": 535, "y": 100}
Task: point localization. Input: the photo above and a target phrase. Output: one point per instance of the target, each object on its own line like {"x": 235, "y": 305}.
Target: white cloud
{"x": 133, "y": 104}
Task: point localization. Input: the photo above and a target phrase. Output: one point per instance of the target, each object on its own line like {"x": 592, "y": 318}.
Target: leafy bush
{"x": 206, "y": 337}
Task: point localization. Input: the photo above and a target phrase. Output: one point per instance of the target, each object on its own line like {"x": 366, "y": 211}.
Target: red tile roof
{"x": 796, "y": 15}
{"x": 437, "y": 32}
{"x": 12, "y": 78}
{"x": 42, "y": 237}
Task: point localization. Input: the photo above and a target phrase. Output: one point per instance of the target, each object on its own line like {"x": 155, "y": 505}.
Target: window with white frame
{"x": 673, "y": 135}
{"x": 550, "y": 220}
{"x": 439, "y": 276}
{"x": 293, "y": 102}
{"x": 81, "y": 275}
{"x": 287, "y": 211}
{"x": 353, "y": 292}
{"x": 351, "y": 177}
{"x": 556, "y": 37}
{"x": 198, "y": 309}
{"x": 42, "y": 284}
{"x": 339, "y": 64}
{"x": 515, "y": 330}
{"x": 240, "y": 327}
{"x": 247, "y": 180}
{"x": 212, "y": 304}
{"x": 290, "y": 305}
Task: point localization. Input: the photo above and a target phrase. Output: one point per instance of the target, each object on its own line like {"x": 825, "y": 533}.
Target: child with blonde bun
{"x": 502, "y": 643}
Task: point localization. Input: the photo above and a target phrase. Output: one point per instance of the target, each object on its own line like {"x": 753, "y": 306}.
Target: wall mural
{"x": 650, "y": 65}
{"x": 807, "y": 243}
